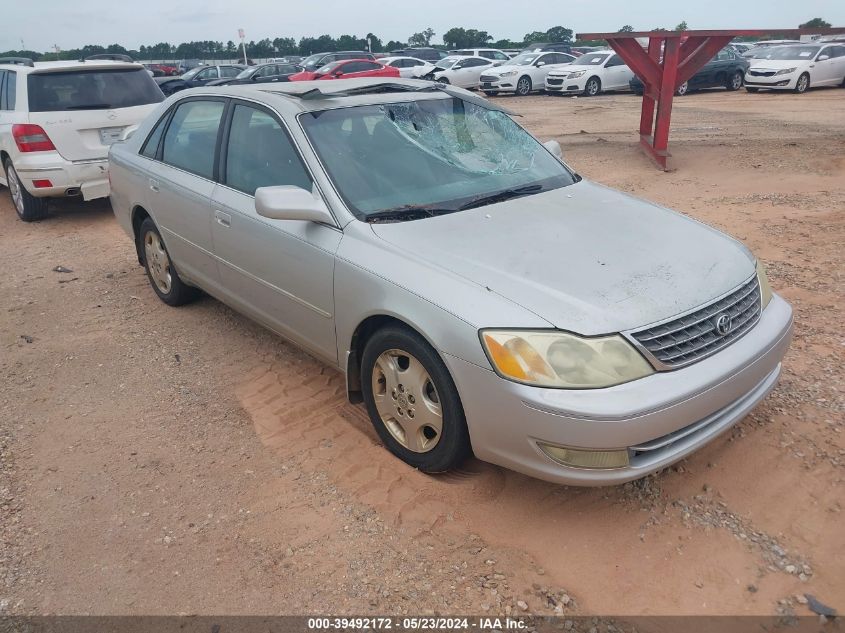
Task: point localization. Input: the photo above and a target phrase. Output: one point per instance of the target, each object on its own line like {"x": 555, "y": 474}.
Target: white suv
{"x": 57, "y": 121}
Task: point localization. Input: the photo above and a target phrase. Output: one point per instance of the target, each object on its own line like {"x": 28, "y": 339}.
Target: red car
{"x": 347, "y": 69}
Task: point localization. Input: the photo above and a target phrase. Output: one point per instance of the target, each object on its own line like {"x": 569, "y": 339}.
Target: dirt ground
{"x": 163, "y": 461}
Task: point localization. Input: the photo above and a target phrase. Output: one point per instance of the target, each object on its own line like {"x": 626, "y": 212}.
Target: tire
{"x": 735, "y": 81}
{"x": 592, "y": 87}
{"x": 160, "y": 271}
{"x": 682, "y": 89}
{"x": 523, "y": 86}
{"x": 401, "y": 372}
{"x": 28, "y": 207}
{"x": 751, "y": 89}
{"x": 802, "y": 85}
{"x": 442, "y": 80}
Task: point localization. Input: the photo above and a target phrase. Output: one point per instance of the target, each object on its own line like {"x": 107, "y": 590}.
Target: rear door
{"x": 279, "y": 271}
{"x": 617, "y": 74}
{"x": 84, "y": 111}
{"x": 181, "y": 181}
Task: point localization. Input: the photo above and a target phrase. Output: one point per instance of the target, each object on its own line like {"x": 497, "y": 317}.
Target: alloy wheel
{"x": 407, "y": 401}
{"x": 158, "y": 263}
{"x": 15, "y": 189}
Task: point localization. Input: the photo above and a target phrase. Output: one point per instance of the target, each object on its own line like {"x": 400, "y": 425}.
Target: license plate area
{"x": 111, "y": 135}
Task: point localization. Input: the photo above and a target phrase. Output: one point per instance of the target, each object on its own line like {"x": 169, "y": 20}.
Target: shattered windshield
{"x": 441, "y": 154}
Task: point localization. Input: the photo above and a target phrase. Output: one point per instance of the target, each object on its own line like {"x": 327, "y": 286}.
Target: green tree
{"x": 682, "y": 26}
{"x": 394, "y": 45}
{"x": 815, "y": 23}
{"x": 626, "y": 29}
{"x": 375, "y": 43}
{"x": 559, "y": 34}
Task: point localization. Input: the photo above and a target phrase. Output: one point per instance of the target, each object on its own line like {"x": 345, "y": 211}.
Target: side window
{"x": 410, "y": 63}
{"x": 499, "y": 56}
{"x": 229, "y": 71}
{"x": 477, "y": 62}
{"x": 614, "y": 60}
{"x": 827, "y": 51}
{"x": 192, "y": 136}
{"x": 150, "y": 147}
{"x": 8, "y": 89}
{"x": 260, "y": 153}
{"x": 838, "y": 51}
{"x": 3, "y": 90}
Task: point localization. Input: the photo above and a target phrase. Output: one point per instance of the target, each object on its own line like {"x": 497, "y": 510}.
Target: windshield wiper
{"x": 90, "y": 106}
{"x": 407, "y": 212}
{"x": 501, "y": 196}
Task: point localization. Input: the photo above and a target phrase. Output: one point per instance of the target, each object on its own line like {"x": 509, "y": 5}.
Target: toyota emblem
{"x": 723, "y": 324}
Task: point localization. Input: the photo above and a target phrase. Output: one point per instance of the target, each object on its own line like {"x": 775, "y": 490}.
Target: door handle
{"x": 223, "y": 219}
{"x": 154, "y": 184}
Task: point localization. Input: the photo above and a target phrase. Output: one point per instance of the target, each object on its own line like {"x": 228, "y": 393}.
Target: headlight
{"x": 786, "y": 71}
{"x": 576, "y": 74}
{"x": 765, "y": 288}
{"x": 557, "y": 359}
{"x": 509, "y": 73}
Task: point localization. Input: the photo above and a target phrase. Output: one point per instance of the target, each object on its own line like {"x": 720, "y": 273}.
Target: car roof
{"x": 39, "y": 67}
{"x": 287, "y": 98}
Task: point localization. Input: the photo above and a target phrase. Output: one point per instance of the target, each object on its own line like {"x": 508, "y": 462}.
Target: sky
{"x": 41, "y": 24}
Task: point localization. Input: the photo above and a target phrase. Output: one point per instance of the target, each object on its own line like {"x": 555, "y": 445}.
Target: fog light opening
{"x": 586, "y": 459}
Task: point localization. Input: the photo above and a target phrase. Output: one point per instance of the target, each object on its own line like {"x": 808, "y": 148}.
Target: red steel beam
{"x": 680, "y": 61}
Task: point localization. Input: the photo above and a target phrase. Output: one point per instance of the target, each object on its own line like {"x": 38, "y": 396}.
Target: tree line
{"x": 456, "y": 37}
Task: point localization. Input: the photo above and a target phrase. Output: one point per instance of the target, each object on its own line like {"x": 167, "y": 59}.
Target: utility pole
{"x": 243, "y": 43}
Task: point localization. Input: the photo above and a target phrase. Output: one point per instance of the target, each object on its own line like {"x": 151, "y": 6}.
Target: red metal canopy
{"x": 672, "y": 58}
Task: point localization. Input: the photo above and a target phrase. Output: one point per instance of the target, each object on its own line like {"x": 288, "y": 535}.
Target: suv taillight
{"x": 32, "y": 138}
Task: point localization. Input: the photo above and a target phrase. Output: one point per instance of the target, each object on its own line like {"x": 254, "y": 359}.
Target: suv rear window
{"x": 91, "y": 90}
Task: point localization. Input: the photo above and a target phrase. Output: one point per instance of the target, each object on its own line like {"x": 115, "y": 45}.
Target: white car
{"x": 524, "y": 73}
{"x": 798, "y": 68}
{"x": 464, "y": 72}
{"x": 408, "y": 67}
{"x": 495, "y": 54}
{"x": 57, "y": 121}
{"x": 590, "y": 74}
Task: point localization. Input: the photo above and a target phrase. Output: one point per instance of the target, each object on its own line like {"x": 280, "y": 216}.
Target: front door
{"x": 281, "y": 272}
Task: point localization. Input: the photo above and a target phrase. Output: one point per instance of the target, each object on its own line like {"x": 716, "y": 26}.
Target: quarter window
{"x": 150, "y": 148}
{"x": 191, "y": 137}
{"x": 260, "y": 153}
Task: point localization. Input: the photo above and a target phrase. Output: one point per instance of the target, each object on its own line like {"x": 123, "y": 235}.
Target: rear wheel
{"x": 523, "y": 86}
{"x": 162, "y": 275}
{"x": 802, "y": 84}
{"x": 28, "y": 207}
{"x": 734, "y": 81}
{"x": 592, "y": 87}
{"x": 412, "y": 401}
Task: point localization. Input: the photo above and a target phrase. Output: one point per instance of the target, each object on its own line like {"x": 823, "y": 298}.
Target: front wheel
{"x": 802, "y": 84}
{"x": 523, "y": 86}
{"x": 28, "y": 207}
{"x": 442, "y": 80}
{"x": 735, "y": 81}
{"x": 592, "y": 87}
{"x": 412, "y": 401}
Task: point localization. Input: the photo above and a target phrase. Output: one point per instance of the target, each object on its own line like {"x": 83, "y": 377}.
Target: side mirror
{"x": 254, "y": 77}
{"x": 339, "y": 73}
{"x": 538, "y": 64}
{"x": 287, "y": 202}
{"x": 554, "y": 147}
{"x": 821, "y": 58}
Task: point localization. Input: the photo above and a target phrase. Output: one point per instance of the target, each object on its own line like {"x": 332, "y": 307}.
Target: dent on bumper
{"x": 659, "y": 419}
{"x": 89, "y": 176}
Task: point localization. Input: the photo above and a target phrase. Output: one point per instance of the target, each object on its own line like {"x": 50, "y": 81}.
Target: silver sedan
{"x": 478, "y": 294}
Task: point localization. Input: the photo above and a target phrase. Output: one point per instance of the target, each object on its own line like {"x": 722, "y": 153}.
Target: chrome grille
{"x": 761, "y": 73}
{"x": 489, "y": 78}
{"x": 694, "y": 336}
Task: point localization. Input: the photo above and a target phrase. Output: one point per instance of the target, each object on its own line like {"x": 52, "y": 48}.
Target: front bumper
{"x": 563, "y": 84}
{"x": 659, "y": 419}
{"x": 499, "y": 84}
{"x": 88, "y": 178}
{"x": 775, "y": 82}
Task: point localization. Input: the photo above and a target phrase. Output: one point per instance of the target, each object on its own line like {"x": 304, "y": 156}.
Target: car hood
{"x": 585, "y": 258}
{"x": 776, "y": 64}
